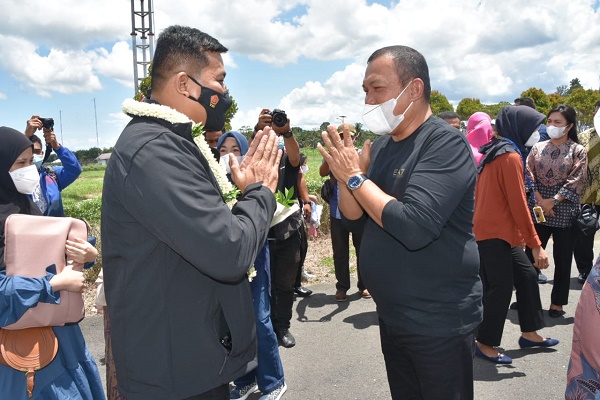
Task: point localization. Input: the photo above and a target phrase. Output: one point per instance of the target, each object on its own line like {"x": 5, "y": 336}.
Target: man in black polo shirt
{"x": 418, "y": 254}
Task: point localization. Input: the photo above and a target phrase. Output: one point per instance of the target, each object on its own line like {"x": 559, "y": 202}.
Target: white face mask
{"x": 533, "y": 139}
{"x": 380, "y": 118}
{"x": 38, "y": 159}
{"x": 597, "y": 121}
{"x": 304, "y": 169}
{"x": 224, "y": 161}
{"x": 26, "y": 179}
{"x": 554, "y": 132}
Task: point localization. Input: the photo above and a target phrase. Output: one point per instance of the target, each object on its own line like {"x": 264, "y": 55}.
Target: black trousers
{"x": 285, "y": 261}
{"x": 501, "y": 268}
{"x": 340, "y": 242}
{"x": 427, "y": 367}
{"x": 219, "y": 393}
{"x": 583, "y": 250}
{"x": 562, "y": 253}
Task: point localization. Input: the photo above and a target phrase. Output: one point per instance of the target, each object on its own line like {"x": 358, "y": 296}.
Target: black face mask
{"x": 215, "y": 104}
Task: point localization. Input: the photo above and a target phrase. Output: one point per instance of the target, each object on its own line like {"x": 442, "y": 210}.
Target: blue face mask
{"x": 281, "y": 143}
{"x": 38, "y": 159}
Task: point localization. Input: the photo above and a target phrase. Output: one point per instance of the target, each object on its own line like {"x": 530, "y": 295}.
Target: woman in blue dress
{"x": 73, "y": 373}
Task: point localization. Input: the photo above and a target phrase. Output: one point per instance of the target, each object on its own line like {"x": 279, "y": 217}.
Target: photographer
{"x": 52, "y": 179}
{"x": 284, "y": 238}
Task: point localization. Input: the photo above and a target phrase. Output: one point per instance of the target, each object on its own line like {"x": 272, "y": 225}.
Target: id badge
{"x": 539, "y": 214}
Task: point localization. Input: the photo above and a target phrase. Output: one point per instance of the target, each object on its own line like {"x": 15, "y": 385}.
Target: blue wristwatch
{"x": 356, "y": 181}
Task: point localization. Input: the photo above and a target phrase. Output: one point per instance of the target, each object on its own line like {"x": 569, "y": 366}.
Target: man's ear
{"x": 181, "y": 82}
{"x": 417, "y": 89}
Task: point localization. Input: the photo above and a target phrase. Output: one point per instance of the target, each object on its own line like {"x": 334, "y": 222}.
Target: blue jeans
{"x": 269, "y": 373}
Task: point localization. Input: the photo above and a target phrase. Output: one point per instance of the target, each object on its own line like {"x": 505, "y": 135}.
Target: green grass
{"x": 87, "y": 186}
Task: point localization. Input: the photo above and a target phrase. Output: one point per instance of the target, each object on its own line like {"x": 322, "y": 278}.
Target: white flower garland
{"x": 136, "y": 108}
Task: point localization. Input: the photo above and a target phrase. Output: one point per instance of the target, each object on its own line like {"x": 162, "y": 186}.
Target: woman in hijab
{"x": 479, "y": 133}
{"x": 502, "y": 224}
{"x": 72, "y": 374}
{"x": 268, "y": 376}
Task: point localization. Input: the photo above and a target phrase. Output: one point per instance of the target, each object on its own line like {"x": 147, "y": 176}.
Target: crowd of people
{"x": 201, "y": 264}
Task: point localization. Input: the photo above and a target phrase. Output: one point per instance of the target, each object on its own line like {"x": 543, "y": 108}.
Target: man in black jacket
{"x": 175, "y": 254}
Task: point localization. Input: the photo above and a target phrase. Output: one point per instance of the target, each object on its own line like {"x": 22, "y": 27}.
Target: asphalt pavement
{"x": 338, "y": 356}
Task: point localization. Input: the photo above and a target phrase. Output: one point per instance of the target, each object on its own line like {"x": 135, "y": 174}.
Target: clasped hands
{"x": 340, "y": 154}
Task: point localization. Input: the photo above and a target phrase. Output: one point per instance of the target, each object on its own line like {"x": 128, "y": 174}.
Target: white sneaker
{"x": 243, "y": 392}
{"x": 307, "y": 275}
{"x": 275, "y": 394}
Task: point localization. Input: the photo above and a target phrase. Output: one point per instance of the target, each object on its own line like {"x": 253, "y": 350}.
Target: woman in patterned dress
{"x": 556, "y": 169}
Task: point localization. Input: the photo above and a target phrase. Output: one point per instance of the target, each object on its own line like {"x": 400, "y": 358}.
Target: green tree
{"x": 574, "y": 84}
{"x": 542, "y": 103}
{"x": 467, "y": 107}
{"x": 583, "y": 102}
{"x": 556, "y": 99}
{"x": 324, "y": 126}
{"x": 230, "y": 113}
{"x": 562, "y": 90}
{"x": 358, "y": 127}
{"x": 144, "y": 86}
{"x": 439, "y": 103}
{"x": 493, "y": 109}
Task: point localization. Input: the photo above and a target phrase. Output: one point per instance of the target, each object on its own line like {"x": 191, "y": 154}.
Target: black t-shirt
{"x": 422, "y": 267}
{"x": 288, "y": 176}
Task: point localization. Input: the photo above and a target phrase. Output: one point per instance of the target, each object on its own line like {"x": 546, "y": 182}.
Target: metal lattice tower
{"x": 142, "y": 23}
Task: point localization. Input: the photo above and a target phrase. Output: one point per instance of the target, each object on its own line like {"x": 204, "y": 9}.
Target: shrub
{"x": 88, "y": 209}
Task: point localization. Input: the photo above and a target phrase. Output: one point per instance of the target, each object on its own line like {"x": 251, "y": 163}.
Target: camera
{"x": 279, "y": 117}
{"x": 47, "y": 123}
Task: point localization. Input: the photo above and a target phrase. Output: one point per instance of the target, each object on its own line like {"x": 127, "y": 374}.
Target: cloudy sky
{"x": 307, "y": 57}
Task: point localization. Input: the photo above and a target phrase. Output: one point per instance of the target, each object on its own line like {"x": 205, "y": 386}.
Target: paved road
{"x": 338, "y": 356}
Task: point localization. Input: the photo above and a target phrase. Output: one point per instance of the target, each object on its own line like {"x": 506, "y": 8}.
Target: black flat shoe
{"x": 555, "y": 313}
{"x": 301, "y": 291}
{"x": 285, "y": 338}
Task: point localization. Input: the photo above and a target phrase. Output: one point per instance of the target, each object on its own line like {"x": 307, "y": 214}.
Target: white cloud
{"x": 116, "y": 64}
{"x": 2, "y": 96}
{"x": 489, "y": 50}
{"x": 60, "y": 71}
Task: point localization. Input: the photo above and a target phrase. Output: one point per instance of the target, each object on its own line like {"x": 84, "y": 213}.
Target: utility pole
{"x": 142, "y": 22}
{"x": 96, "y": 118}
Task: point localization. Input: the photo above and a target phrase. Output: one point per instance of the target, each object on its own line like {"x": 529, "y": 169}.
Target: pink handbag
{"x": 32, "y": 243}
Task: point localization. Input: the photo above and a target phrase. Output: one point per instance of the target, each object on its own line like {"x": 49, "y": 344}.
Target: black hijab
{"x": 12, "y": 144}
{"x": 516, "y": 124}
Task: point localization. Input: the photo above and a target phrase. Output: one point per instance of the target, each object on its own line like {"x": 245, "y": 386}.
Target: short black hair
{"x": 448, "y": 115}
{"x": 410, "y": 64}
{"x": 35, "y": 139}
{"x": 181, "y": 48}
{"x": 571, "y": 116}
{"x": 525, "y": 101}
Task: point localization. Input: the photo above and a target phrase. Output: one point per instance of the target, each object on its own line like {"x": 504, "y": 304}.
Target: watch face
{"x": 355, "y": 181}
